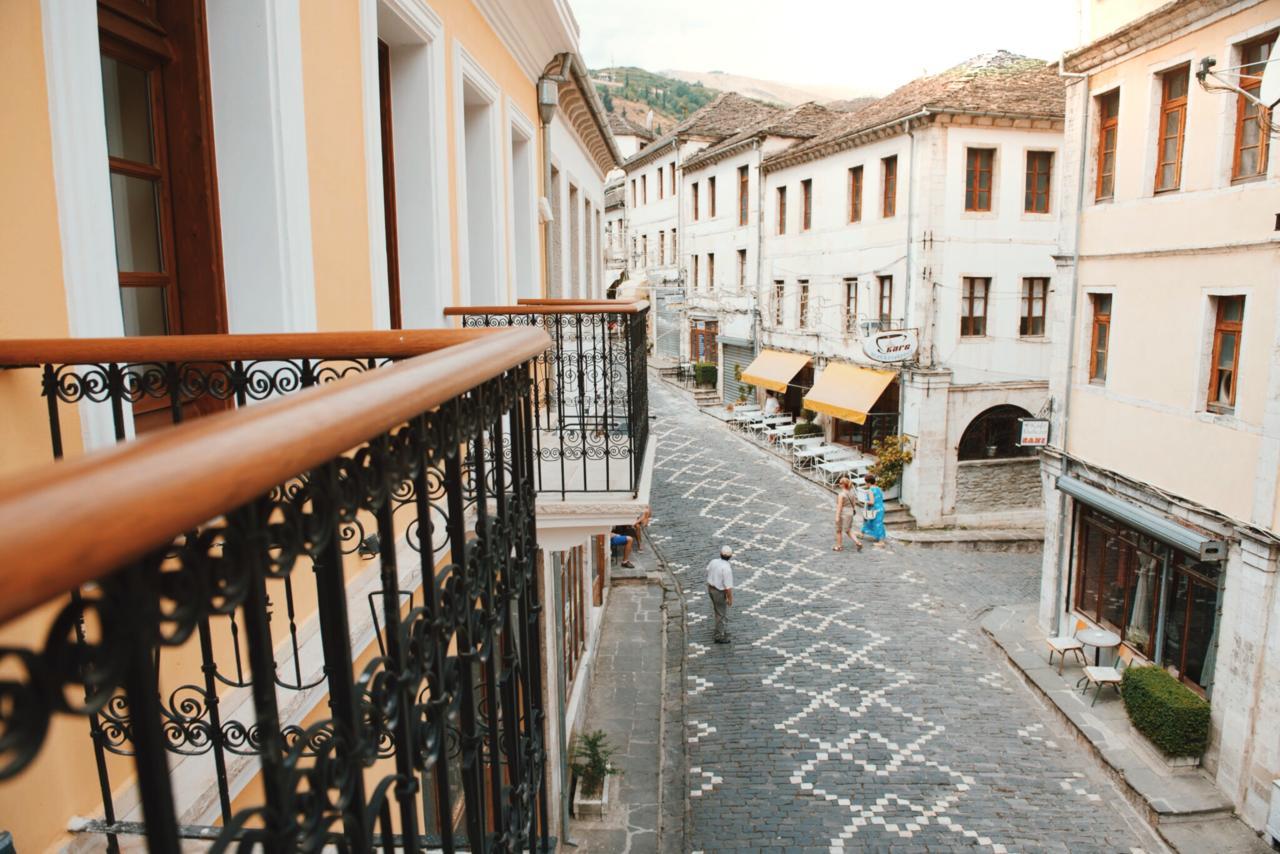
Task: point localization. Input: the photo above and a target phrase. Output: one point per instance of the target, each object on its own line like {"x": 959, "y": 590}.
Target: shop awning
{"x": 847, "y": 391}
{"x": 773, "y": 369}
{"x": 1148, "y": 522}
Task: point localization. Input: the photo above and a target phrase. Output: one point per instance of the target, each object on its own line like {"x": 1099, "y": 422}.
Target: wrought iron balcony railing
{"x": 591, "y": 422}
{"x": 161, "y": 567}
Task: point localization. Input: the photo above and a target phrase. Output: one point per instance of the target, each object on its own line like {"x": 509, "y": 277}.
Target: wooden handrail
{"x": 551, "y": 301}
{"x": 574, "y": 307}
{"x": 75, "y": 520}
{"x": 225, "y": 348}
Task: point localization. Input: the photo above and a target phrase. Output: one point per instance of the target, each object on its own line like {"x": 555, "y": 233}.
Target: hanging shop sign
{"x": 895, "y": 345}
{"x": 1033, "y": 432}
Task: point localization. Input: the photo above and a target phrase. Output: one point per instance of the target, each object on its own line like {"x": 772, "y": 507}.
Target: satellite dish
{"x": 1269, "y": 93}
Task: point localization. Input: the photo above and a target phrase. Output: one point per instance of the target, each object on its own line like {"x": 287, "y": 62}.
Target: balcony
{"x": 197, "y": 596}
{"x": 591, "y": 418}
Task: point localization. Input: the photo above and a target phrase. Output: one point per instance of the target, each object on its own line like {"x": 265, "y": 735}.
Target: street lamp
{"x": 548, "y": 99}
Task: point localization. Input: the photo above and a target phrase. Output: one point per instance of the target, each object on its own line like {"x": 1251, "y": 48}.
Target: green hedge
{"x": 1174, "y": 717}
{"x": 807, "y": 428}
{"x": 705, "y": 373}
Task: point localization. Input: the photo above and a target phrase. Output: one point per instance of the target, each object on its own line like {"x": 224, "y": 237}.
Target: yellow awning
{"x": 773, "y": 369}
{"x": 847, "y": 391}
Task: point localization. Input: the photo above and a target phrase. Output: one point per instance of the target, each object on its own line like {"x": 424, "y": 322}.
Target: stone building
{"x": 924, "y": 224}
{"x": 1161, "y": 476}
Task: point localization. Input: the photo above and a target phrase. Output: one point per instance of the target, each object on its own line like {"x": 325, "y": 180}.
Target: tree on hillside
{"x": 608, "y": 102}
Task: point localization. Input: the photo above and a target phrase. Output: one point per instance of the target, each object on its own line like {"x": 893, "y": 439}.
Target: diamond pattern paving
{"x": 859, "y": 707}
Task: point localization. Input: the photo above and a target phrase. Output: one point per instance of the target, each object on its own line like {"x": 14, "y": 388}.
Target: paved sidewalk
{"x": 625, "y": 701}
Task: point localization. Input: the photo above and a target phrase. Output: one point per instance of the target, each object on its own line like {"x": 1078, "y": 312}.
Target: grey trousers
{"x": 721, "y": 611}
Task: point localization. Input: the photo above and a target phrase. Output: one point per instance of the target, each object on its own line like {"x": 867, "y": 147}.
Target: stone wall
{"x": 989, "y": 485}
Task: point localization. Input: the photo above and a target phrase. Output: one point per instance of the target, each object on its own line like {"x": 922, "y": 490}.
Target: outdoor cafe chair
{"x": 1069, "y": 643}
{"x": 1101, "y": 676}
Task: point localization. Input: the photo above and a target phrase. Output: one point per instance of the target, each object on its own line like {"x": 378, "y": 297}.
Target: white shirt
{"x": 771, "y": 406}
{"x": 720, "y": 574}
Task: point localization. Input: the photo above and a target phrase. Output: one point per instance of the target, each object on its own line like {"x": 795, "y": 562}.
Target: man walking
{"x": 720, "y": 589}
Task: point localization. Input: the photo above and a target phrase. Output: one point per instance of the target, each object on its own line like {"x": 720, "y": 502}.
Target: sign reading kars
{"x": 896, "y": 345}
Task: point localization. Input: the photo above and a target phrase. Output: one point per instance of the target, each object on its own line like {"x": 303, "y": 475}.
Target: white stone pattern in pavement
{"x": 856, "y": 681}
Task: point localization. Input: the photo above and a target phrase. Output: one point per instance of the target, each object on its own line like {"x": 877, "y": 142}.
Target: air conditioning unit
{"x": 1273, "y": 821}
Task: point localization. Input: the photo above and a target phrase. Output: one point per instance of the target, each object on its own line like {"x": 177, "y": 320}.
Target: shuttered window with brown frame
{"x": 1252, "y": 121}
{"x": 1100, "y": 339}
{"x": 803, "y": 304}
{"x": 1035, "y": 290}
{"x": 389, "y": 184}
{"x": 1224, "y": 363}
{"x": 661, "y": 183}
{"x": 886, "y": 299}
{"x": 855, "y": 194}
{"x": 672, "y": 170}
{"x": 806, "y": 204}
{"x": 782, "y": 210}
{"x": 693, "y": 201}
{"x": 850, "y": 304}
{"x": 973, "y": 306}
{"x": 977, "y": 178}
{"x": 779, "y": 294}
{"x": 1039, "y": 181}
{"x": 743, "y": 197}
{"x": 1173, "y": 123}
{"x": 742, "y": 270}
{"x": 889, "y": 186}
{"x": 1108, "y": 133}
{"x": 711, "y": 197}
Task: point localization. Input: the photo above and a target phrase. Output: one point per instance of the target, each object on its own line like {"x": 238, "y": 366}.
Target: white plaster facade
{"x": 927, "y": 246}
{"x": 1144, "y": 430}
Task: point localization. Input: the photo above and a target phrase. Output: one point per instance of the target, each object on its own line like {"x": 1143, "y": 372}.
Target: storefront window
{"x": 1119, "y": 576}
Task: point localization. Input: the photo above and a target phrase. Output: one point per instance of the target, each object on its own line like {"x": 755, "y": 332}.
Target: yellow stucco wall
{"x": 334, "y": 103}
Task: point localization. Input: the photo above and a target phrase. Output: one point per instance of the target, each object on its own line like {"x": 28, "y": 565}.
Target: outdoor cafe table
{"x": 837, "y": 467}
{"x": 781, "y": 430}
{"x": 1099, "y": 639}
{"x": 810, "y": 453}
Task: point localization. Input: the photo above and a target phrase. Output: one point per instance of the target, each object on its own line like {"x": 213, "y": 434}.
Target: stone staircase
{"x": 898, "y": 516}
{"x": 706, "y": 397}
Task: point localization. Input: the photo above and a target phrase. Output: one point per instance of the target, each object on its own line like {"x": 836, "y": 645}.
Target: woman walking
{"x": 846, "y": 504}
{"x": 873, "y": 513}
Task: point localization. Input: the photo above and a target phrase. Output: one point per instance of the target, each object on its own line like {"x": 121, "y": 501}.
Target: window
{"x": 163, "y": 202}
{"x": 1225, "y": 360}
{"x": 711, "y": 198}
{"x": 697, "y": 283}
{"x": 644, "y": 249}
{"x": 1031, "y": 318}
{"x": 802, "y": 314}
{"x": 644, "y": 189}
{"x": 743, "y": 183}
{"x": 889, "y": 186}
{"x": 742, "y": 269}
{"x": 674, "y": 255}
{"x": 993, "y": 435}
{"x": 782, "y": 210}
{"x": 1039, "y": 177}
{"x": 1173, "y": 120}
{"x": 634, "y": 200}
{"x": 661, "y": 183}
{"x": 662, "y": 248}
{"x": 693, "y": 200}
{"x": 1101, "y": 338}
{"x": 977, "y": 178}
{"x": 886, "y": 300}
{"x": 672, "y": 170}
{"x": 973, "y": 306}
{"x": 711, "y": 271}
{"x": 850, "y": 304}
{"x": 779, "y": 293}
{"x": 1108, "y": 128}
{"x": 389, "y": 183}
{"x": 855, "y": 194}
{"x": 806, "y": 204}
{"x": 1251, "y": 138}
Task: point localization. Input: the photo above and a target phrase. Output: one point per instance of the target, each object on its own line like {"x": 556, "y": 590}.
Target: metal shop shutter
{"x": 734, "y": 354}
{"x": 667, "y": 328}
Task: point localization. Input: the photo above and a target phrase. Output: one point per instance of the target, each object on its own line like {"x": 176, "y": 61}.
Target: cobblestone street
{"x": 859, "y": 706}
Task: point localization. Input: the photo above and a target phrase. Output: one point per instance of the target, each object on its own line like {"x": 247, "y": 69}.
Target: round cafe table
{"x": 1099, "y": 639}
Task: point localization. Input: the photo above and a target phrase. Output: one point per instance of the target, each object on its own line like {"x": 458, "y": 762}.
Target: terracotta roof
{"x": 723, "y": 117}
{"x": 999, "y": 83}
{"x": 803, "y": 122}
{"x": 623, "y": 126}
{"x": 850, "y": 105}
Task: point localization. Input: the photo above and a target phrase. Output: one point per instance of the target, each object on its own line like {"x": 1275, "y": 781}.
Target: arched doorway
{"x": 993, "y": 435}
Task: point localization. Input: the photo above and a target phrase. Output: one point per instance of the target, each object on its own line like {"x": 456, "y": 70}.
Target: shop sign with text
{"x": 895, "y": 345}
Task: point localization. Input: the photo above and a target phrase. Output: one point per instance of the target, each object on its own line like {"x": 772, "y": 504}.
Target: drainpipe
{"x": 760, "y": 287}
{"x": 548, "y": 101}
{"x": 1060, "y": 594}
{"x": 906, "y": 305}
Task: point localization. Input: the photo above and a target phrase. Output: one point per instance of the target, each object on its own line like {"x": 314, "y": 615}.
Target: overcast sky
{"x": 867, "y": 45}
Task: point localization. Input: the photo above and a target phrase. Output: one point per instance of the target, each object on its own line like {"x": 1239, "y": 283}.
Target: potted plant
{"x": 705, "y": 373}
{"x": 590, "y": 763}
{"x": 892, "y": 455}
{"x": 805, "y": 426}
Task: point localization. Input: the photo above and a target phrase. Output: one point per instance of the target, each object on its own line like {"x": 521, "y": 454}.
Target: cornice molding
{"x": 532, "y": 31}
{"x": 1158, "y": 27}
